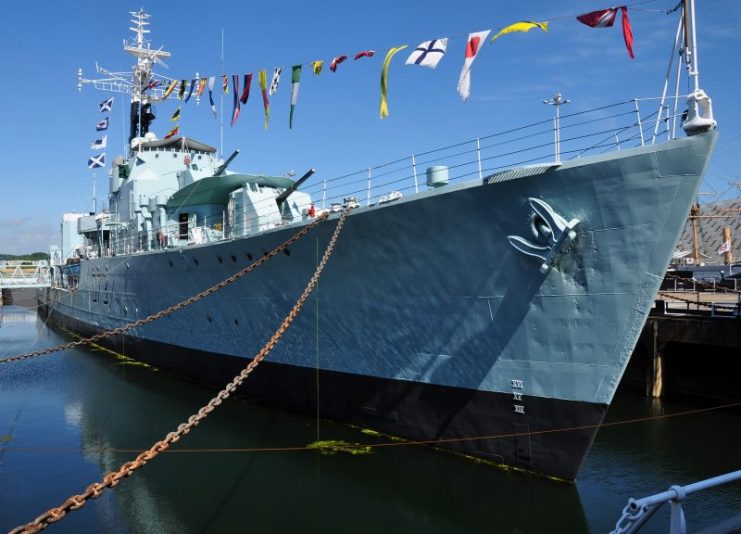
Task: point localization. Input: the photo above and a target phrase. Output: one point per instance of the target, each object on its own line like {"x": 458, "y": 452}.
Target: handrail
{"x": 638, "y": 511}
{"x": 602, "y": 129}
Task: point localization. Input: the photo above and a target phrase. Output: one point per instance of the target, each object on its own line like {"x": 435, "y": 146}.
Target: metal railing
{"x": 638, "y": 511}
{"x": 583, "y": 133}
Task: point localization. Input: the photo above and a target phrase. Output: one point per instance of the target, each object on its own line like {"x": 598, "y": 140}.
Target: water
{"x": 69, "y": 418}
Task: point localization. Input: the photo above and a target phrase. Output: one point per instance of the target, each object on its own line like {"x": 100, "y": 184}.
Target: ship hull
{"x": 427, "y": 323}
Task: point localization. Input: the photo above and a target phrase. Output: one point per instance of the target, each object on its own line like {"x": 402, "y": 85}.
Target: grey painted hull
{"x": 425, "y": 298}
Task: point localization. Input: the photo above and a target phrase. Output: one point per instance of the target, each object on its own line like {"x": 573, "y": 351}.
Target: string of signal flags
{"x": 426, "y": 54}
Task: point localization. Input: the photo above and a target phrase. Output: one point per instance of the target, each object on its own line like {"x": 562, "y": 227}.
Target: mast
{"x": 694, "y": 213}
{"x": 139, "y": 47}
{"x": 136, "y": 82}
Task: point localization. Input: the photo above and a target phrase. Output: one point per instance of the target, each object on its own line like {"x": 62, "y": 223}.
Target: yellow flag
{"x": 384, "y": 76}
{"x": 316, "y": 66}
{"x": 522, "y": 26}
{"x": 263, "y": 78}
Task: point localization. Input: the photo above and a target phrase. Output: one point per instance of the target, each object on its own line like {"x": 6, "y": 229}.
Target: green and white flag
{"x": 295, "y": 79}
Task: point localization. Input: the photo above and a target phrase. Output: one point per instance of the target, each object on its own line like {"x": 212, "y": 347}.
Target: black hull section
{"x": 551, "y": 437}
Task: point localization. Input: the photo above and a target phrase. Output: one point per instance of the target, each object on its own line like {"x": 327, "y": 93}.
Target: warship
{"x": 491, "y": 310}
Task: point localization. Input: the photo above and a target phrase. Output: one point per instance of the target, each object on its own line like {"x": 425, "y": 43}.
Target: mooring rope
{"x": 179, "y": 306}
{"x": 95, "y": 489}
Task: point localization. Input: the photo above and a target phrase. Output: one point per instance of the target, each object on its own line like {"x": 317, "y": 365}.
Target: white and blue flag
{"x": 102, "y": 125}
{"x": 96, "y": 162}
{"x": 428, "y": 53}
{"x": 107, "y": 104}
{"x": 100, "y": 143}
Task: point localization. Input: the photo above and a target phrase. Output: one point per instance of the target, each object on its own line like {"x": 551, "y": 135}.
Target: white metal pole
{"x": 558, "y": 133}
{"x": 414, "y": 170}
{"x": 478, "y": 157}
{"x": 324, "y": 193}
{"x": 695, "y": 64}
{"x": 368, "y": 188}
{"x": 221, "y": 103}
{"x": 666, "y": 82}
{"x": 638, "y": 116}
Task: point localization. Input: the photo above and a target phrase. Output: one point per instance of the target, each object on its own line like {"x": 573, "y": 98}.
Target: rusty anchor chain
{"x": 180, "y": 305}
{"x": 111, "y": 479}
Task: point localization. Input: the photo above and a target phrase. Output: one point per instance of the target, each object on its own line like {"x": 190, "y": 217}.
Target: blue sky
{"x": 48, "y": 126}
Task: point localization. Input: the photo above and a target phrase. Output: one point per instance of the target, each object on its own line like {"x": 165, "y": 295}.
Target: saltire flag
{"x": 169, "y": 89}
{"x": 428, "y": 53}
{"x": 211, "y": 83}
{"x": 605, "y": 18}
{"x": 181, "y": 91}
{"x": 153, "y": 83}
{"x": 225, "y": 84}
{"x": 472, "y": 50}
{"x": 100, "y": 143}
{"x": 246, "y": 88}
{"x": 95, "y": 162}
{"x": 107, "y": 104}
{"x": 276, "y": 80}
{"x": 725, "y": 247}
{"x": 102, "y": 125}
{"x": 384, "y": 79}
{"x": 172, "y": 132}
{"x": 295, "y": 80}
{"x": 201, "y": 86}
{"x": 236, "y": 109}
{"x": 335, "y": 62}
{"x": 263, "y": 79}
{"x": 190, "y": 90}
{"x": 522, "y": 26}
{"x": 364, "y": 53}
{"x": 316, "y": 67}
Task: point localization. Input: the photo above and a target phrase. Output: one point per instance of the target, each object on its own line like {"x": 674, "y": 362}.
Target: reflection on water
{"x": 67, "y": 419}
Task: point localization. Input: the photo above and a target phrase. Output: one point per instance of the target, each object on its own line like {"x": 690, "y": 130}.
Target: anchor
{"x": 553, "y": 228}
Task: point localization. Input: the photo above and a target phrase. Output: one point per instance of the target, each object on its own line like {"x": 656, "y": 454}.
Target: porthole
{"x": 286, "y": 251}
{"x": 249, "y": 256}
{"x": 170, "y": 262}
{"x": 236, "y": 322}
{"x": 195, "y": 260}
{"x": 209, "y": 319}
{"x": 234, "y": 258}
{"x": 221, "y": 260}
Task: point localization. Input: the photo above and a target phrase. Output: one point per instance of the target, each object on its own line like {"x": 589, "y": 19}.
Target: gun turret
{"x": 280, "y": 199}
{"x": 221, "y": 168}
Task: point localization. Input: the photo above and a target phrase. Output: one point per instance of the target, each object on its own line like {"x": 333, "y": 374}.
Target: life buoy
{"x": 161, "y": 238}
{"x": 312, "y": 211}
{"x": 186, "y": 160}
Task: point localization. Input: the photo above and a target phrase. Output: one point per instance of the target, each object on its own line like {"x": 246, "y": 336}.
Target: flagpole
{"x": 221, "y": 105}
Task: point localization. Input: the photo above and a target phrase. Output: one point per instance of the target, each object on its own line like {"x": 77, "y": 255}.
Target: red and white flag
{"x": 336, "y": 61}
{"x": 605, "y": 18}
{"x": 475, "y": 40}
{"x": 725, "y": 247}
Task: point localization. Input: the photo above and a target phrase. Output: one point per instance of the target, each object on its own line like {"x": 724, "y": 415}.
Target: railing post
{"x": 368, "y": 188}
{"x": 478, "y": 157}
{"x": 638, "y": 116}
{"x": 414, "y": 170}
{"x": 324, "y": 193}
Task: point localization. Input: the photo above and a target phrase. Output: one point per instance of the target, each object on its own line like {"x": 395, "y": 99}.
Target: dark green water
{"x": 67, "y": 419}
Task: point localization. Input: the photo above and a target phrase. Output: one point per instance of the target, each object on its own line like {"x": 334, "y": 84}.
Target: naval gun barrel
{"x": 221, "y": 168}
{"x": 280, "y": 199}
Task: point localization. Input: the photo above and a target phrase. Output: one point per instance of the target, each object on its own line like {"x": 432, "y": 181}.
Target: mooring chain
{"x": 111, "y": 479}
{"x": 180, "y": 305}
{"x": 722, "y": 306}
